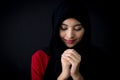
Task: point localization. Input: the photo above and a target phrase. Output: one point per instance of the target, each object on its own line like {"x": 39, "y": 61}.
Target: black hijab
{"x": 67, "y": 9}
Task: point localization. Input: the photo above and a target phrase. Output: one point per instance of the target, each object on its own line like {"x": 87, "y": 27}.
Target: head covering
{"x": 67, "y": 9}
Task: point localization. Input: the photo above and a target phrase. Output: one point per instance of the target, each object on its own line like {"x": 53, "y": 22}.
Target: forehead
{"x": 71, "y": 21}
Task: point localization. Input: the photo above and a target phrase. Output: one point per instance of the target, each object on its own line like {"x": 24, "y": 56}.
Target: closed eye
{"x": 78, "y": 27}
{"x": 63, "y": 27}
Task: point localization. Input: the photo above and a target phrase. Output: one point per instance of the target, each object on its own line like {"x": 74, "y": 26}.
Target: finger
{"x": 73, "y": 54}
{"x": 65, "y": 60}
{"x": 69, "y": 59}
{"x": 73, "y": 60}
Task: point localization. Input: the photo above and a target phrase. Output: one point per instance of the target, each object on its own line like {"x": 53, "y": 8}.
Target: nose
{"x": 70, "y": 34}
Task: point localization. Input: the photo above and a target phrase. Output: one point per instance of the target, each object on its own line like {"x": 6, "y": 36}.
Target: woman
{"x": 66, "y": 56}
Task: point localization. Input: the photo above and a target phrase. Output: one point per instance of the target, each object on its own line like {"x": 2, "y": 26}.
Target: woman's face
{"x": 71, "y": 32}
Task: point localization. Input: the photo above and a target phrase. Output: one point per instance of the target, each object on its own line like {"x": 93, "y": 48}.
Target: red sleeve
{"x": 39, "y": 63}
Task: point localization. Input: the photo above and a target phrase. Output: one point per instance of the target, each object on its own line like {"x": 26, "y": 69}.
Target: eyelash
{"x": 78, "y": 29}
{"x": 66, "y": 29}
{"x": 63, "y": 28}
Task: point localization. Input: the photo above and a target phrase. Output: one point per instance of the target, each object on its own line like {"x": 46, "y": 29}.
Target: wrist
{"x": 62, "y": 77}
{"x": 77, "y": 76}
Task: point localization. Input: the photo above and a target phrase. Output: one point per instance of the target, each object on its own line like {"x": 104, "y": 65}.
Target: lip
{"x": 70, "y": 41}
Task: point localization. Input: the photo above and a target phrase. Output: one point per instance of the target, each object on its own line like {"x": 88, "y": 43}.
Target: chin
{"x": 70, "y": 46}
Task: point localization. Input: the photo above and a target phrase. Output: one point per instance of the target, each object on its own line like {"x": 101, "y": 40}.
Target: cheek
{"x": 80, "y": 35}
{"x": 62, "y": 34}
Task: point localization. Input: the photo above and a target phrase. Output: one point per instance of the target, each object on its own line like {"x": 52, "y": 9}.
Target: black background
{"x": 25, "y": 26}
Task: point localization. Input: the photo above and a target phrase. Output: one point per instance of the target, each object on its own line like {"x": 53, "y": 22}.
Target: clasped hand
{"x": 70, "y": 60}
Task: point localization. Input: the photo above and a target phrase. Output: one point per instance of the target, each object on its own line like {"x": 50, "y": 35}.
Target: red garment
{"x": 39, "y": 63}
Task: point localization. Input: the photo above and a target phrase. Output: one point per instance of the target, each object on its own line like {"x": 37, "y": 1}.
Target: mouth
{"x": 70, "y": 41}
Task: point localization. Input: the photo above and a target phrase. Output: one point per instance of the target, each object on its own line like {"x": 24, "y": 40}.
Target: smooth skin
{"x": 71, "y": 33}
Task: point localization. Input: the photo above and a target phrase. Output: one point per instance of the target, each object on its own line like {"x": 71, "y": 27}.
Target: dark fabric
{"x": 67, "y": 9}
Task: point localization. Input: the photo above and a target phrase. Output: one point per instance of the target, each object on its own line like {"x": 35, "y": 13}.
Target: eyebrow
{"x": 79, "y": 24}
